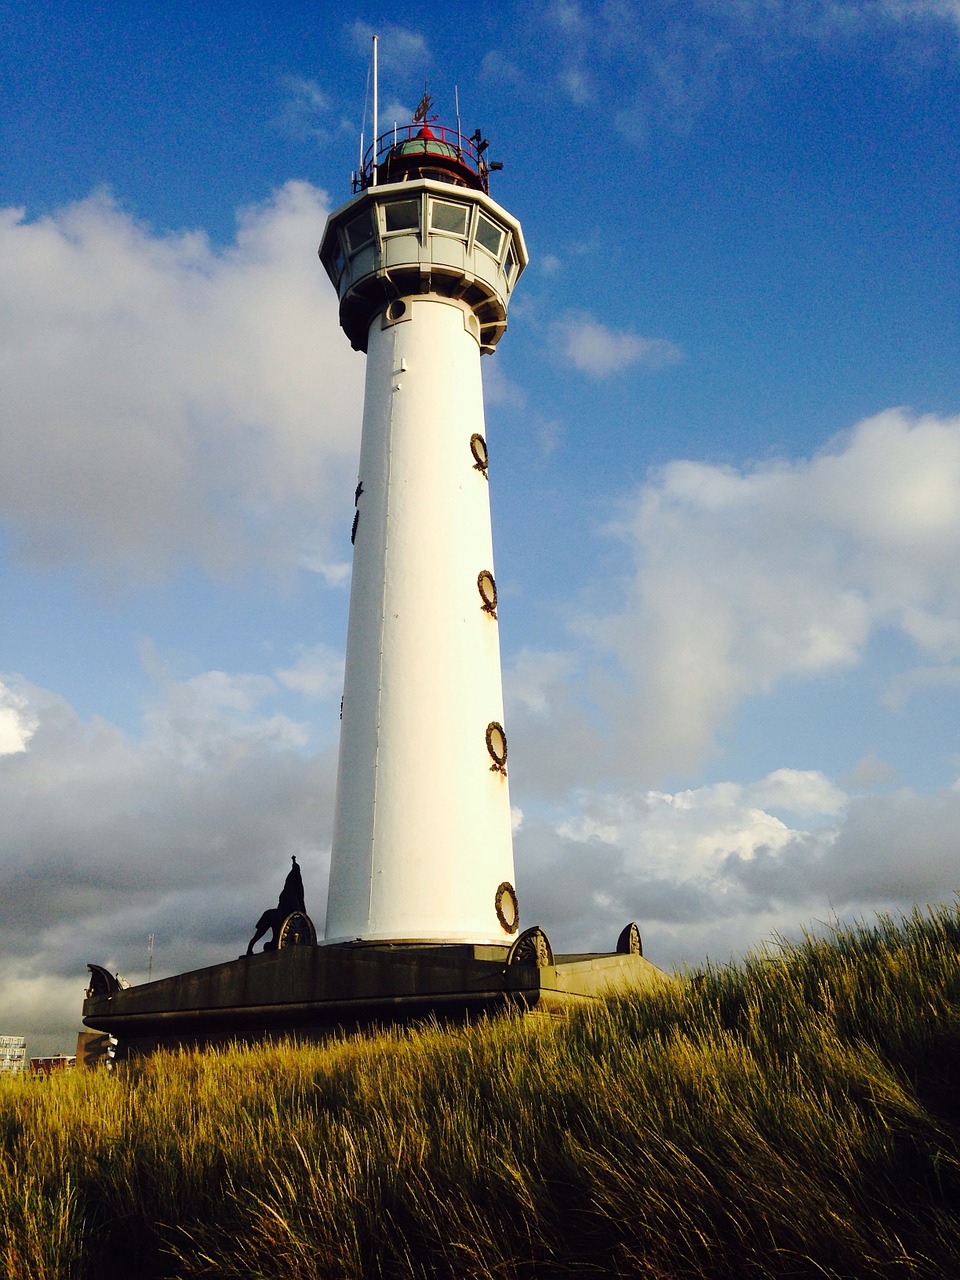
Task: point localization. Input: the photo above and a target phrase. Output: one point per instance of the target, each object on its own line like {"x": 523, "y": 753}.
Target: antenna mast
{"x": 373, "y": 178}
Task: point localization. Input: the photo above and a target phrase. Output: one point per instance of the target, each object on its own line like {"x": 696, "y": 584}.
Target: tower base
{"x": 310, "y": 991}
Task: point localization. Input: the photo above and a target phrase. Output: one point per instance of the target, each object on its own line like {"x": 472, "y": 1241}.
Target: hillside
{"x": 796, "y": 1116}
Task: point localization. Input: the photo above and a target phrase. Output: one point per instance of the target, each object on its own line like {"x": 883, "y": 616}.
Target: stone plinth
{"x": 308, "y": 991}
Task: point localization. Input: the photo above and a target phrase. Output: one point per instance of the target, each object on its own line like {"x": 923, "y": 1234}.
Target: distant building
{"x": 13, "y": 1054}
{"x": 52, "y": 1066}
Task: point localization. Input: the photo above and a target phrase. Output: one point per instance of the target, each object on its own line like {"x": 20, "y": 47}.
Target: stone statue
{"x": 291, "y": 900}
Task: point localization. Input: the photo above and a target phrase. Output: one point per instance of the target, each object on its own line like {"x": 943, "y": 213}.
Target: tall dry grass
{"x": 793, "y": 1117}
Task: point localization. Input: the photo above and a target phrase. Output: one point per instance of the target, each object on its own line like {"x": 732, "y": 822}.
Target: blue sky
{"x": 725, "y": 439}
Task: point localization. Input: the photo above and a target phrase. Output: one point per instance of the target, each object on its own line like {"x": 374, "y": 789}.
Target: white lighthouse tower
{"x": 422, "y": 915}
{"x": 424, "y": 262}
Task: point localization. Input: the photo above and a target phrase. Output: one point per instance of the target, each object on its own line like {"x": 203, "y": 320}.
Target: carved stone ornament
{"x": 629, "y": 944}
{"x": 297, "y": 931}
{"x": 531, "y": 948}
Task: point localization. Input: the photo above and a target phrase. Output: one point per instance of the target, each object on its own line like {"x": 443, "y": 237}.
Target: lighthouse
{"x": 422, "y": 915}
{"x": 424, "y": 263}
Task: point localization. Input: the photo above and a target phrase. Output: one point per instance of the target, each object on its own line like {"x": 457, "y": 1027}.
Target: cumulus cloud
{"x": 713, "y": 870}
{"x": 594, "y": 348}
{"x": 17, "y": 721}
{"x": 745, "y": 577}
{"x": 186, "y": 834}
{"x": 162, "y": 399}
{"x": 658, "y": 857}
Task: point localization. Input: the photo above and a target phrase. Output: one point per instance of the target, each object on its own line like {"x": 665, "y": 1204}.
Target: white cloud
{"x": 567, "y": 16}
{"x": 186, "y": 834}
{"x": 594, "y": 348}
{"x": 658, "y": 67}
{"x": 711, "y": 870}
{"x": 498, "y": 389}
{"x": 533, "y": 677}
{"x": 394, "y": 112}
{"x": 199, "y": 720}
{"x": 305, "y": 111}
{"x": 499, "y": 69}
{"x": 163, "y": 399}
{"x": 901, "y": 687}
{"x": 869, "y": 772}
{"x": 658, "y": 857}
{"x": 919, "y": 10}
{"x": 317, "y": 673}
{"x": 576, "y": 85}
{"x": 17, "y": 722}
{"x": 400, "y": 50}
{"x": 743, "y": 578}
{"x": 335, "y": 573}
{"x": 802, "y": 792}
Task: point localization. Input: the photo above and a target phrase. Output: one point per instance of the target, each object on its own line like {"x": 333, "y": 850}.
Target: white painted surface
{"x": 422, "y": 835}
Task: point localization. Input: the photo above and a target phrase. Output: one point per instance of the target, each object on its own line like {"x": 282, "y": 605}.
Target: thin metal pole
{"x": 456, "y": 103}
{"x": 375, "y": 110}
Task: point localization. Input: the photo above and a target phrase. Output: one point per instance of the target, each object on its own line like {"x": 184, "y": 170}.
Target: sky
{"x": 724, "y": 429}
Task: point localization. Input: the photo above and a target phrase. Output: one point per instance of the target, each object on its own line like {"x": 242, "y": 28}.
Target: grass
{"x": 794, "y": 1117}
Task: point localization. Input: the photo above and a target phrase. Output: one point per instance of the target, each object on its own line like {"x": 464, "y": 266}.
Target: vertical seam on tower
{"x": 383, "y": 617}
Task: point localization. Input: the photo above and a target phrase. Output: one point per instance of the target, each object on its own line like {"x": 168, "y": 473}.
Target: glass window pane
{"x": 489, "y": 235}
{"x": 448, "y": 217}
{"x": 359, "y": 232}
{"x": 402, "y": 215}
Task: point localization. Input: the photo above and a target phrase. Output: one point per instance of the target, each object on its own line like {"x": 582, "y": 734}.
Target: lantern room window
{"x": 451, "y": 218}
{"x": 402, "y": 215}
{"x": 489, "y": 235}
{"x": 359, "y": 232}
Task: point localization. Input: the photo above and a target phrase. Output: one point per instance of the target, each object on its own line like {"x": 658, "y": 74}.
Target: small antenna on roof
{"x": 456, "y": 105}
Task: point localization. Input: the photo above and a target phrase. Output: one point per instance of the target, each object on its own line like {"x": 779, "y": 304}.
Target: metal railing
{"x": 468, "y": 151}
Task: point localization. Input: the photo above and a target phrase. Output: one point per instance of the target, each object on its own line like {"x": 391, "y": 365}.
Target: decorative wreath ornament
{"x": 488, "y": 592}
{"x": 508, "y": 909}
{"x": 478, "y": 447}
{"x": 497, "y": 746}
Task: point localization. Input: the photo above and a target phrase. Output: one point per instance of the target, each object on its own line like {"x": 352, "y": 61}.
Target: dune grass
{"x": 795, "y": 1116}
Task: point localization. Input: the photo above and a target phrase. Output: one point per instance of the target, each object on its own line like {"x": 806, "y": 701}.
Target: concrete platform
{"x": 310, "y": 990}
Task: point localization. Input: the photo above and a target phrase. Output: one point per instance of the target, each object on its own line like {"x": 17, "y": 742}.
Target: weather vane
{"x": 426, "y": 102}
